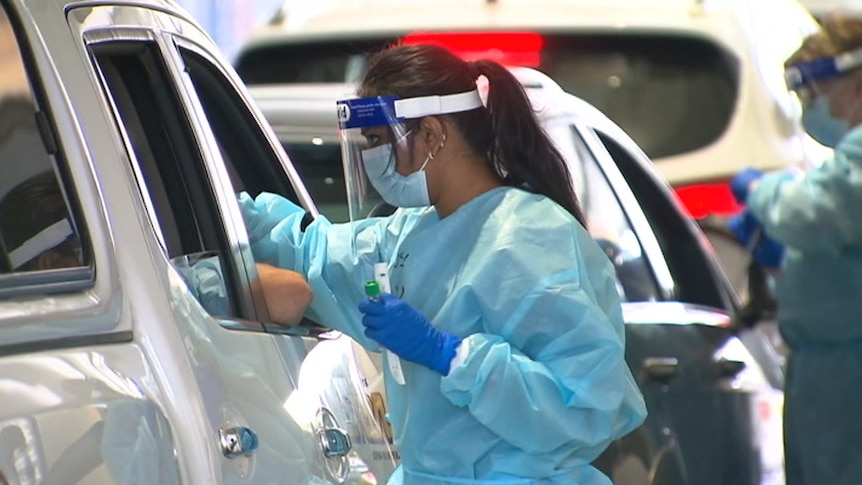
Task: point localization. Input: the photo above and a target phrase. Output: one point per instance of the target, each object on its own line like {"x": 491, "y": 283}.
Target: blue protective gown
{"x": 819, "y": 292}
{"x": 544, "y": 387}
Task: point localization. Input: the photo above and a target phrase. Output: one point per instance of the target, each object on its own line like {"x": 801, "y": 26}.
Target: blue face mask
{"x": 396, "y": 189}
{"x": 821, "y": 125}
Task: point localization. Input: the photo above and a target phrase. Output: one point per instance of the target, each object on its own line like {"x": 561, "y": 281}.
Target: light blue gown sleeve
{"x": 820, "y": 211}
{"x": 322, "y": 252}
{"x": 570, "y": 385}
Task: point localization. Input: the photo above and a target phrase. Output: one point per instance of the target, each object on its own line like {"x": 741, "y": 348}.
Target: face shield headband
{"x": 806, "y": 74}
{"x": 391, "y": 110}
{"x": 48, "y": 238}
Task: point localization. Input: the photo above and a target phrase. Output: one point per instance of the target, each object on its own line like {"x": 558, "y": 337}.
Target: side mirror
{"x": 728, "y": 369}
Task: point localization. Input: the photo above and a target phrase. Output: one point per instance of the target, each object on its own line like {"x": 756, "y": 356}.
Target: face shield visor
{"x": 380, "y": 167}
{"x": 821, "y": 84}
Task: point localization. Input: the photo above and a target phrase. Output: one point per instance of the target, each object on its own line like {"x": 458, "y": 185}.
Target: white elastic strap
{"x": 848, "y": 60}
{"x": 42, "y": 241}
{"x": 437, "y": 105}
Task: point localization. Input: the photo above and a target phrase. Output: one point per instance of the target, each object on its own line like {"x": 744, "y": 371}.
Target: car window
{"x": 672, "y": 93}
{"x": 319, "y": 163}
{"x": 245, "y": 148}
{"x": 698, "y": 279}
{"x": 171, "y": 173}
{"x": 40, "y": 245}
{"x": 605, "y": 217}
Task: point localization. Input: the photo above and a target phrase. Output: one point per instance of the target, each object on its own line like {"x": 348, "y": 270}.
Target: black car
{"x": 712, "y": 390}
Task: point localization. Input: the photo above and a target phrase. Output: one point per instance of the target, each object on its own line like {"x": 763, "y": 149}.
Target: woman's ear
{"x": 433, "y": 133}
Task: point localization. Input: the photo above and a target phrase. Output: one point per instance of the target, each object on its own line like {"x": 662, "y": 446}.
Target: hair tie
{"x": 473, "y": 70}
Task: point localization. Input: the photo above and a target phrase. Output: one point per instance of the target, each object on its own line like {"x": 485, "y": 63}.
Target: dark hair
{"x": 506, "y": 130}
{"x": 29, "y": 208}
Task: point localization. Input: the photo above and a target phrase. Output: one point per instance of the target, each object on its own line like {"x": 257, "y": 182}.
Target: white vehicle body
{"x": 111, "y": 372}
{"x": 747, "y": 42}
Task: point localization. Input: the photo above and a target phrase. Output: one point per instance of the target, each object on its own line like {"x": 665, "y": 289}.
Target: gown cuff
{"x": 461, "y": 354}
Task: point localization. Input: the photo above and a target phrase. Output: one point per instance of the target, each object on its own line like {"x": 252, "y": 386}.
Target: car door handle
{"x": 661, "y": 369}
{"x": 334, "y": 442}
{"x": 238, "y": 441}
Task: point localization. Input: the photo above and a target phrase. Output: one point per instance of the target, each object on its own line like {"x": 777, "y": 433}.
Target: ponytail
{"x": 507, "y": 132}
{"x": 521, "y": 151}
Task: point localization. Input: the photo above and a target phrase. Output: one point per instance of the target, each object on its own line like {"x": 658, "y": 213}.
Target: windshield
{"x": 672, "y": 94}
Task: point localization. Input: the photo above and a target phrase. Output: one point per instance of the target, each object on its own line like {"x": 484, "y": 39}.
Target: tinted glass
{"x": 37, "y": 230}
{"x": 321, "y": 169}
{"x": 606, "y": 218}
{"x": 672, "y": 94}
{"x": 696, "y": 276}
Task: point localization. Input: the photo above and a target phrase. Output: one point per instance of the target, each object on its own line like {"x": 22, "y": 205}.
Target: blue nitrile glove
{"x": 767, "y": 252}
{"x": 741, "y": 182}
{"x": 398, "y": 327}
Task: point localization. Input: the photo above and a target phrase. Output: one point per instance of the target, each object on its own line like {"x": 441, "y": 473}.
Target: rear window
{"x": 672, "y": 94}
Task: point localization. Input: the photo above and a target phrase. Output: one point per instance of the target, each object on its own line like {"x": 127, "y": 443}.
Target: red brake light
{"x": 708, "y": 199}
{"x": 508, "y": 48}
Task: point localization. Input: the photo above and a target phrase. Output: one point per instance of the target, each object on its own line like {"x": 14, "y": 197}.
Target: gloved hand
{"x": 397, "y": 326}
{"x": 740, "y": 184}
{"x": 767, "y": 252}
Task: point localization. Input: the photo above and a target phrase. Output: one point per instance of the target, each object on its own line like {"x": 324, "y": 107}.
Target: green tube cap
{"x": 372, "y": 289}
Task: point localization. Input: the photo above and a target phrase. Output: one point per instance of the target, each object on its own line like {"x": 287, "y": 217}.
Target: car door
{"x": 699, "y": 349}
{"x": 279, "y": 402}
{"x": 253, "y": 162}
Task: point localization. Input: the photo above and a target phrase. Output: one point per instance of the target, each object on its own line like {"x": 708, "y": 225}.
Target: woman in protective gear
{"x": 503, "y": 312}
{"x": 817, "y": 216}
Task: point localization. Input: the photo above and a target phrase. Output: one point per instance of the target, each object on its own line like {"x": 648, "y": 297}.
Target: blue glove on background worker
{"x": 397, "y": 326}
{"x": 740, "y": 184}
{"x": 767, "y": 252}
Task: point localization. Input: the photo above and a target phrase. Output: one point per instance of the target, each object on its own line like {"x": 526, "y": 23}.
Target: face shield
{"x": 380, "y": 167}
{"x": 829, "y": 102}
{"x": 41, "y": 242}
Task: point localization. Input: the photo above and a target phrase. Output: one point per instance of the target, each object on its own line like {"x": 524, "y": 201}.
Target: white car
{"x": 698, "y": 84}
{"x": 703, "y": 381}
{"x": 111, "y": 372}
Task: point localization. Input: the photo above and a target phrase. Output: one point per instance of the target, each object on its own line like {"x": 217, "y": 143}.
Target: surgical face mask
{"x": 396, "y": 189}
{"x": 821, "y": 125}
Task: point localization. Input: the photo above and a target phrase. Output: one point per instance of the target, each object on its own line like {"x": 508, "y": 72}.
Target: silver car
{"x": 713, "y": 394}
{"x": 117, "y": 185}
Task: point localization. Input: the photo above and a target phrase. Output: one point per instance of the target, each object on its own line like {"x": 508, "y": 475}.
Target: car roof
{"x": 169, "y": 6}
{"x": 314, "y": 104}
{"x": 363, "y": 19}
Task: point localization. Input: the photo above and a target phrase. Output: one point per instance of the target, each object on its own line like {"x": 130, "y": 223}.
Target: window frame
{"x": 668, "y": 218}
{"x": 53, "y": 281}
{"x": 237, "y": 278}
{"x": 652, "y": 252}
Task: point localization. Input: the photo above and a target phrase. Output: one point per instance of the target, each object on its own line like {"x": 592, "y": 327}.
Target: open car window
{"x": 171, "y": 175}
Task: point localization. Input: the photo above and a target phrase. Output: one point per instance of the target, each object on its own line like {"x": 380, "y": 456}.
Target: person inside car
{"x": 35, "y": 227}
{"x": 502, "y": 308}
{"x": 37, "y": 234}
{"x": 816, "y": 216}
